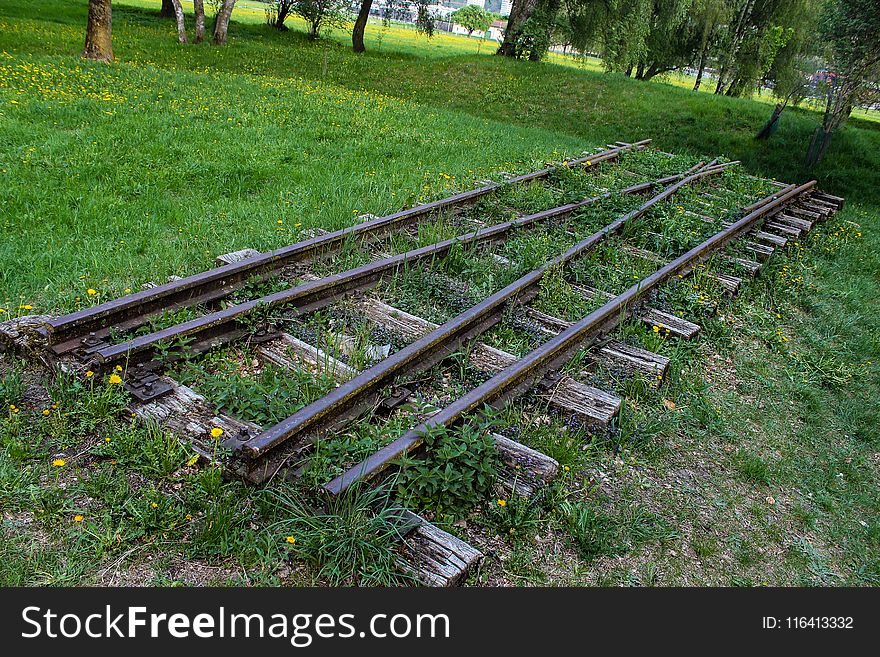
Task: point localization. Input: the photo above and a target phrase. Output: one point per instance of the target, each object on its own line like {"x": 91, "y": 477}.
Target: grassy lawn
{"x": 757, "y": 463}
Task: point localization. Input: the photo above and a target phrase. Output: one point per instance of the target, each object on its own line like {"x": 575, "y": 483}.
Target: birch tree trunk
{"x": 99, "y": 31}
{"x": 181, "y": 24}
{"x": 199, "y": 8}
{"x": 221, "y": 27}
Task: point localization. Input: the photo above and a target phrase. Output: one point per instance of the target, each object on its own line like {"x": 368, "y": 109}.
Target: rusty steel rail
{"x": 221, "y": 326}
{"x": 90, "y": 325}
{"x": 353, "y": 396}
{"x": 558, "y": 350}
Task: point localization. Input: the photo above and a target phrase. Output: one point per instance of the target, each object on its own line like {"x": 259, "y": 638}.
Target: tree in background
{"x": 199, "y": 10}
{"x": 360, "y": 25}
{"x": 749, "y": 43}
{"x": 790, "y": 75}
{"x": 424, "y": 18}
{"x": 278, "y": 11}
{"x": 167, "y": 10}
{"x": 99, "y": 31}
{"x": 530, "y": 28}
{"x": 221, "y": 21}
{"x": 706, "y": 20}
{"x": 319, "y": 14}
{"x": 472, "y": 18}
{"x": 668, "y": 43}
{"x": 851, "y": 28}
{"x": 520, "y": 11}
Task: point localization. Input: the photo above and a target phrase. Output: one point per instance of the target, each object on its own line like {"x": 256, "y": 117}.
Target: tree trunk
{"x": 360, "y": 24}
{"x": 770, "y": 126}
{"x": 653, "y": 71}
{"x": 640, "y": 71}
{"x": 181, "y": 24}
{"x": 99, "y": 31}
{"x": 199, "y": 8}
{"x": 737, "y": 37}
{"x": 818, "y": 146}
{"x": 519, "y": 14}
{"x": 167, "y": 10}
{"x": 221, "y": 25}
{"x": 701, "y": 67}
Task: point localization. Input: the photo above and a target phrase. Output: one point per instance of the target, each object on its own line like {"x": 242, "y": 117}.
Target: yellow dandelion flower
{"x": 153, "y": 505}
{"x": 216, "y": 432}
{"x": 280, "y": 221}
{"x": 655, "y": 328}
{"x": 90, "y": 374}
{"x": 118, "y": 368}
{"x": 46, "y": 411}
{"x": 290, "y": 539}
{"x": 502, "y": 503}
{"x": 58, "y": 463}
{"x": 26, "y": 306}
{"x": 77, "y": 518}
{"x": 114, "y": 379}
{"x": 91, "y": 292}
{"x": 127, "y": 290}
{"x": 566, "y": 468}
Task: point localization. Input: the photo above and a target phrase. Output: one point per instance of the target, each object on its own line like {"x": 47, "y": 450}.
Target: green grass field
{"x": 764, "y": 469}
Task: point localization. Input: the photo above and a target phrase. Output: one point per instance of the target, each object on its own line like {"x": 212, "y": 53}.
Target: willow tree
{"x": 851, "y": 28}
{"x": 707, "y": 17}
{"x": 750, "y": 41}
{"x": 99, "y": 31}
{"x": 669, "y": 43}
{"x": 790, "y": 75}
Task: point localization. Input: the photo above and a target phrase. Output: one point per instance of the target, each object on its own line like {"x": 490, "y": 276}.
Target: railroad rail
{"x": 355, "y": 395}
{"x": 223, "y": 326}
{"x": 86, "y": 339}
{"x": 533, "y": 367}
{"x": 86, "y": 329}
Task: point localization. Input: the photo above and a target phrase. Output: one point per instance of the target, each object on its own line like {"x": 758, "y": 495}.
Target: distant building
{"x": 478, "y": 3}
{"x": 505, "y": 7}
{"x": 495, "y": 33}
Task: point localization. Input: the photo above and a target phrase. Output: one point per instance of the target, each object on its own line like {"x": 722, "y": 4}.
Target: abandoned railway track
{"x": 723, "y": 248}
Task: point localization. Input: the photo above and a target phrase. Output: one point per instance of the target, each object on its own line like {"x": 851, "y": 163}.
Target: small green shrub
{"x": 457, "y": 474}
